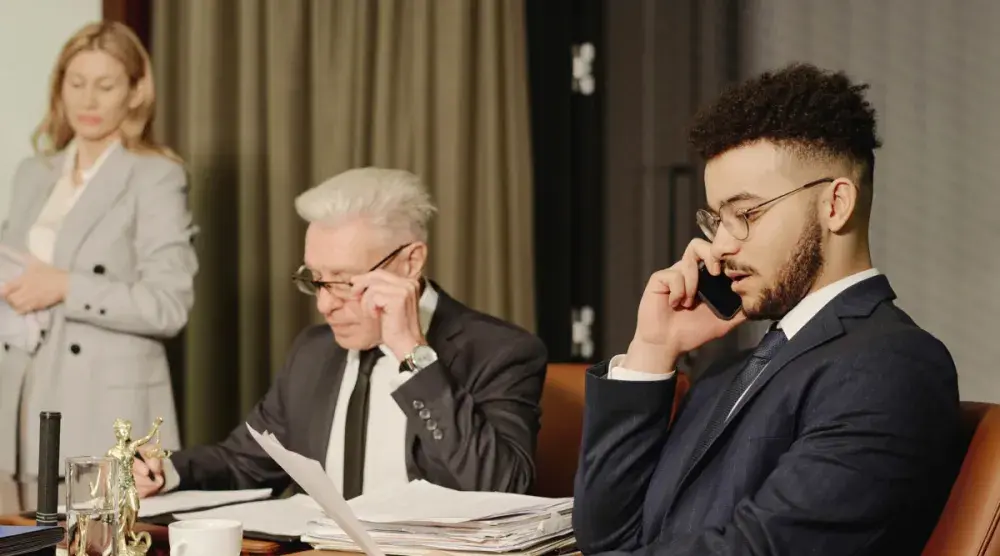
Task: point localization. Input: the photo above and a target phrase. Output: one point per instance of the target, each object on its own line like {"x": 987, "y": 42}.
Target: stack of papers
{"x": 423, "y": 517}
{"x": 419, "y": 519}
{"x": 24, "y": 540}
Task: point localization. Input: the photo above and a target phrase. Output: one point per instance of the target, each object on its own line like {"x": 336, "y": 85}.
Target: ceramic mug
{"x": 206, "y": 537}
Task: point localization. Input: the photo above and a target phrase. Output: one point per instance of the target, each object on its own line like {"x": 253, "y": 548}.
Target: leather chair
{"x": 967, "y": 524}
{"x": 562, "y": 427}
{"x": 969, "y": 521}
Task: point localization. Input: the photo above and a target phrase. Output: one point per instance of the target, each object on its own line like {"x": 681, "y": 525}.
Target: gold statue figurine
{"x": 124, "y": 452}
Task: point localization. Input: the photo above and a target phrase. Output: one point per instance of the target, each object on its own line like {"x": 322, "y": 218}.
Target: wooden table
{"x": 161, "y": 544}
{"x": 14, "y": 514}
{"x": 161, "y": 547}
{"x": 250, "y": 546}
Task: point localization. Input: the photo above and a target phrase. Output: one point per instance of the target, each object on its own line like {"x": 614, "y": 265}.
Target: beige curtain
{"x": 264, "y": 99}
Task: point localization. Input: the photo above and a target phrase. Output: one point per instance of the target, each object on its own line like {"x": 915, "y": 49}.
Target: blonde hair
{"x": 118, "y": 41}
{"x": 395, "y": 200}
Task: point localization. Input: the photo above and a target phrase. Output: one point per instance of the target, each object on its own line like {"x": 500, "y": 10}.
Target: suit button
{"x": 424, "y": 414}
{"x": 99, "y": 269}
{"x": 432, "y": 425}
{"x": 437, "y": 434}
{"x": 86, "y": 307}
{"x": 101, "y": 311}
{"x": 75, "y": 349}
{"x": 43, "y": 333}
{"x": 6, "y": 346}
{"x": 417, "y": 404}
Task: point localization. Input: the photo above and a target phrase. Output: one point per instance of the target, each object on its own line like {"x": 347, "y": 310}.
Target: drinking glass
{"x": 91, "y": 506}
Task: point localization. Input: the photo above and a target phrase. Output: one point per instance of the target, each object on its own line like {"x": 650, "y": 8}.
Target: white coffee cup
{"x": 206, "y": 537}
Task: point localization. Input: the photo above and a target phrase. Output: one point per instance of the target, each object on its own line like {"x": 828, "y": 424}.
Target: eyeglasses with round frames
{"x": 737, "y": 221}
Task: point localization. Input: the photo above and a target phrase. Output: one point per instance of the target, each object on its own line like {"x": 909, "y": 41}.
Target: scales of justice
{"x": 126, "y": 540}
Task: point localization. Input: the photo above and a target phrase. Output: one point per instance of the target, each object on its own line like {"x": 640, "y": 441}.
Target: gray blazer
{"x": 127, "y": 244}
{"x": 483, "y": 394}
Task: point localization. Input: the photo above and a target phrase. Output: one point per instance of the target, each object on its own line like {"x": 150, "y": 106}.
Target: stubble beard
{"x": 795, "y": 279}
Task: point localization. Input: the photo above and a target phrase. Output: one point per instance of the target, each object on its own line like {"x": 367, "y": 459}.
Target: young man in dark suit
{"x": 837, "y": 434}
{"x": 401, "y": 383}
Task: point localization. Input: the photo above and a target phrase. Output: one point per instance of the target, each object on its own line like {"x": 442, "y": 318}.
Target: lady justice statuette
{"x": 130, "y": 543}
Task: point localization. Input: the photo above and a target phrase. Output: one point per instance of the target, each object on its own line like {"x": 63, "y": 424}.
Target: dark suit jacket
{"x": 483, "y": 392}
{"x": 846, "y": 445}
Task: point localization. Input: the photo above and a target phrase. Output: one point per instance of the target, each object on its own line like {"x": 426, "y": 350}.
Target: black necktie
{"x": 356, "y": 427}
{"x": 768, "y": 346}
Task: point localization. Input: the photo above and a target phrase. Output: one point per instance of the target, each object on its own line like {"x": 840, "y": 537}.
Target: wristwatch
{"x": 421, "y": 357}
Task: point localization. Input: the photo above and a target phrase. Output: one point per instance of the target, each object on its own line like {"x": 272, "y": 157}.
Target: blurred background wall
{"x": 31, "y": 34}
{"x": 934, "y": 70}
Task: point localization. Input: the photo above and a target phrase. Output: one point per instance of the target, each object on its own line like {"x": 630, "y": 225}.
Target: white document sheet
{"x": 286, "y": 517}
{"x": 185, "y": 500}
{"x": 311, "y": 476}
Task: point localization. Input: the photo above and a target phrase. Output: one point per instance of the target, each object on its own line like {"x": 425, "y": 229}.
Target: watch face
{"x": 423, "y": 356}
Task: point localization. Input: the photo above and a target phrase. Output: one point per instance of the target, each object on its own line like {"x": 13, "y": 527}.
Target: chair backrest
{"x": 969, "y": 520}
{"x": 967, "y": 524}
{"x": 562, "y": 427}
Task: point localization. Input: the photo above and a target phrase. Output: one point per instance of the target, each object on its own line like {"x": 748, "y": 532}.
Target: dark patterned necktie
{"x": 769, "y": 345}
{"x": 356, "y": 427}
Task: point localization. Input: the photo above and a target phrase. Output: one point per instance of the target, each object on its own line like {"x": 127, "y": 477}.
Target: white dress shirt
{"x": 385, "y": 442}
{"x": 797, "y": 318}
{"x": 43, "y": 234}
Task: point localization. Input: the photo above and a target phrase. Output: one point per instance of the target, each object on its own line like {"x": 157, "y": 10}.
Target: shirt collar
{"x": 813, "y": 303}
{"x": 426, "y": 305}
{"x": 86, "y": 175}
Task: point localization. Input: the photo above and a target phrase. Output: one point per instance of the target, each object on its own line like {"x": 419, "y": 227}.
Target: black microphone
{"x": 47, "y": 513}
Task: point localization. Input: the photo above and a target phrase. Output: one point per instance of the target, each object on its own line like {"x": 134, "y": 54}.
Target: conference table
{"x": 14, "y": 512}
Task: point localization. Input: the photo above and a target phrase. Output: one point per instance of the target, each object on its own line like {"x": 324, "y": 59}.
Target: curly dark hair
{"x": 811, "y": 111}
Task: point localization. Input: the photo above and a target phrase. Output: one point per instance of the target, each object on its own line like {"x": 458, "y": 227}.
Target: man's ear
{"x": 416, "y": 259}
{"x": 838, "y": 204}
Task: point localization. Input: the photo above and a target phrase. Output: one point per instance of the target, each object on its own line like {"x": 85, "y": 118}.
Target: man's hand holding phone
{"x": 672, "y": 320}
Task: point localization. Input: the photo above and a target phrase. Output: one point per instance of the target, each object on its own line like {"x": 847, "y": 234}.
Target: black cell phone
{"x": 717, "y": 293}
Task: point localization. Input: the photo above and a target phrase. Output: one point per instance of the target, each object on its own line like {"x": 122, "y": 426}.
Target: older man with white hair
{"x": 402, "y": 383}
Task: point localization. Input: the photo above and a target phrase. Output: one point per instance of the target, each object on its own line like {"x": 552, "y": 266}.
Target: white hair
{"x": 392, "y": 199}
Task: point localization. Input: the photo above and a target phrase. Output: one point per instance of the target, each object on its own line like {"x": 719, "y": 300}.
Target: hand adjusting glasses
{"x": 309, "y": 285}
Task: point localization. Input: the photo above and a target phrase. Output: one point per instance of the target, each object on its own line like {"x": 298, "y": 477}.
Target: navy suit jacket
{"x": 846, "y": 445}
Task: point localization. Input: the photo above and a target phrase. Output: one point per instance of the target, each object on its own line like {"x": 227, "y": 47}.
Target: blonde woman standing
{"x": 101, "y": 217}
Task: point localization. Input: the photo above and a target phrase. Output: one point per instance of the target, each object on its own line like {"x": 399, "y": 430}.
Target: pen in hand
{"x": 149, "y": 472}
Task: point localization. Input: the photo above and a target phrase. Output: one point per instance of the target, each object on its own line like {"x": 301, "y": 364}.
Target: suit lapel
{"x": 858, "y": 301}
{"x": 445, "y": 325}
{"x": 104, "y": 189}
{"x": 331, "y": 375}
{"x": 824, "y": 327}
{"x": 41, "y": 188}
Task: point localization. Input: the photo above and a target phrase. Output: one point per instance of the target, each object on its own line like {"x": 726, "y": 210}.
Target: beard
{"x": 795, "y": 279}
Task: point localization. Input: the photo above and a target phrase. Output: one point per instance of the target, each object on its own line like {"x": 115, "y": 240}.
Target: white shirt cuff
{"x": 617, "y": 372}
{"x": 400, "y": 379}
